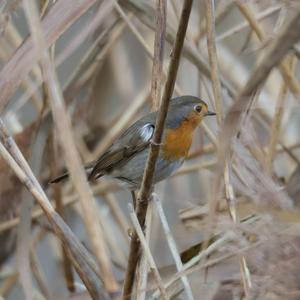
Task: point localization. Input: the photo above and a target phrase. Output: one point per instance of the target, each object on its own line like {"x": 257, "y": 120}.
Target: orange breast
{"x": 178, "y": 141}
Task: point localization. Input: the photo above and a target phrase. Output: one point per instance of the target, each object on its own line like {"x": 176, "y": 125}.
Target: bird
{"x": 126, "y": 158}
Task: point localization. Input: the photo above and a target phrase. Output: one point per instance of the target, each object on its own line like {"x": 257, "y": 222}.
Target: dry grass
{"x": 74, "y": 76}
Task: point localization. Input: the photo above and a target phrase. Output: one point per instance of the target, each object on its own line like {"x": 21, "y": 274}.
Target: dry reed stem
{"x": 221, "y": 13}
{"x": 15, "y": 39}
{"x": 59, "y": 207}
{"x": 213, "y": 59}
{"x": 23, "y": 246}
{"x": 156, "y": 89}
{"x": 172, "y": 246}
{"x": 24, "y": 228}
{"x": 150, "y": 259}
{"x": 175, "y": 9}
{"x": 39, "y": 275}
{"x": 118, "y": 214}
{"x": 112, "y": 241}
{"x": 195, "y": 168}
{"x": 8, "y": 284}
{"x": 72, "y": 158}
{"x": 142, "y": 270}
{"x": 158, "y": 56}
{"x": 276, "y": 127}
{"x": 147, "y": 182}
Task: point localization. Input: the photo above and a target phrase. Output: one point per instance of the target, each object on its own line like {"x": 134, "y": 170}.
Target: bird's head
{"x": 187, "y": 109}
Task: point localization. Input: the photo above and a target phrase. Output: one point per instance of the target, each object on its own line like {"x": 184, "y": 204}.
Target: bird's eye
{"x": 198, "y": 108}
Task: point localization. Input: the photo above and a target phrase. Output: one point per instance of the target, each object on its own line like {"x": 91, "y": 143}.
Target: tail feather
{"x": 66, "y": 175}
{"x": 59, "y": 178}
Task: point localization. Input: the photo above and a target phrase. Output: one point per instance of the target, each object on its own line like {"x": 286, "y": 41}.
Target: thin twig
{"x": 24, "y": 228}
{"x": 213, "y": 59}
{"x": 147, "y": 182}
{"x": 172, "y": 246}
{"x": 117, "y": 213}
{"x": 39, "y": 274}
{"x": 282, "y": 97}
{"x": 151, "y": 262}
{"x": 196, "y": 259}
{"x": 59, "y": 207}
{"x": 142, "y": 271}
{"x": 279, "y": 110}
{"x": 158, "y": 57}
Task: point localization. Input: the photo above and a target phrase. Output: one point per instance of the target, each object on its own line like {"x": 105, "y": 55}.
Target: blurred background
{"x": 103, "y": 53}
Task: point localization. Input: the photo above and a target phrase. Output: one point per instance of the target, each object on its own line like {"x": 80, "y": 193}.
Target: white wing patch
{"x": 146, "y": 132}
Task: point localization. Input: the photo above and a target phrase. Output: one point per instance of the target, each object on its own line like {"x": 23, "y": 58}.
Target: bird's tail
{"x": 59, "y": 178}
{"x": 88, "y": 170}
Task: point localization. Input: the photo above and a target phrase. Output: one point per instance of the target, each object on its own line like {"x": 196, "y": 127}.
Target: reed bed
{"x": 74, "y": 75}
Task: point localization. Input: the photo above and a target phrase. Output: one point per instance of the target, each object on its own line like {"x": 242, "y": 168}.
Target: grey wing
{"x": 133, "y": 140}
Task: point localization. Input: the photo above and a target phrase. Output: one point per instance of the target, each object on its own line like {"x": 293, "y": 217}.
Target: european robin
{"x": 125, "y": 159}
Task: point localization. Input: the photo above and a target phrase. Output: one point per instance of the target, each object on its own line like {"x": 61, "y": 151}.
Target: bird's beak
{"x": 210, "y": 113}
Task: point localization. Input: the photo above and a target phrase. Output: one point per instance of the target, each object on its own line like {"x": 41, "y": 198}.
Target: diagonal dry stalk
{"x": 39, "y": 274}
{"x": 227, "y": 237}
{"x": 147, "y": 182}
{"x": 150, "y": 259}
{"x": 24, "y": 228}
{"x": 173, "y": 247}
{"x": 73, "y": 163}
{"x": 143, "y": 269}
{"x": 83, "y": 263}
{"x": 59, "y": 207}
